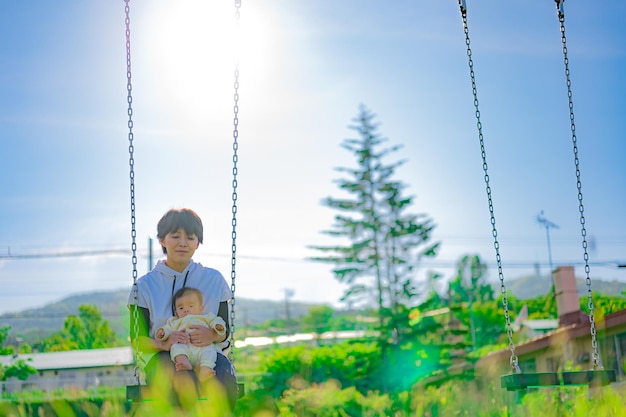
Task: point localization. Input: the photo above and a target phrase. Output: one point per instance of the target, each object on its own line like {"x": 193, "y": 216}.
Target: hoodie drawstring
{"x": 174, "y": 287}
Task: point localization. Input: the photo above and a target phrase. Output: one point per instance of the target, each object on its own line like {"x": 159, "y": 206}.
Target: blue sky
{"x": 304, "y": 69}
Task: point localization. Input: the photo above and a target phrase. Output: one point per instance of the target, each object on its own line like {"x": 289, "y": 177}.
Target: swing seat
{"x": 135, "y": 393}
{"x": 141, "y": 393}
{"x": 592, "y": 378}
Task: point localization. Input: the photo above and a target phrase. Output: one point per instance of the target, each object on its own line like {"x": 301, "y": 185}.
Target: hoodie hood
{"x": 165, "y": 270}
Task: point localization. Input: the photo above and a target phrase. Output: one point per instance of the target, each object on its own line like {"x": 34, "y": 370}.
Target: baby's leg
{"x": 207, "y": 359}
{"x": 178, "y": 353}
{"x": 182, "y": 363}
{"x": 205, "y": 373}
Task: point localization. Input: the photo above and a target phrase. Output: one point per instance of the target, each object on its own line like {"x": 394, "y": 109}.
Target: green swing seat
{"x": 592, "y": 378}
{"x": 141, "y": 393}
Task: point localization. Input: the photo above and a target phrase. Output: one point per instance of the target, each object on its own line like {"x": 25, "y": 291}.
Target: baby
{"x": 188, "y": 305}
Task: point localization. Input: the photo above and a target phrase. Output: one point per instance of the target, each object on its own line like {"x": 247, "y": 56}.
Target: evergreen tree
{"x": 384, "y": 243}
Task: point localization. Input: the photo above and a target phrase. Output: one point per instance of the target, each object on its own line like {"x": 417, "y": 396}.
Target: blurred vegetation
{"x": 87, "y": 330}
{"x": 332, "y": 399}
{"x": 328, "y": 377}
{"x": 18, "y": 368}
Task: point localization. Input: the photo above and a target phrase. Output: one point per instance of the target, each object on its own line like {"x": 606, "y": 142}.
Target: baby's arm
{"x": 163, "y": 333}
{"x": 218, "y": 324}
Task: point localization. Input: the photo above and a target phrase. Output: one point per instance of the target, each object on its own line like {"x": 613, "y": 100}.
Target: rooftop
{"x": 93, "y": 358}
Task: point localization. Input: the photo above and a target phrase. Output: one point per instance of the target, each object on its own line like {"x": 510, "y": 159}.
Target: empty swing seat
{"x": 592, "y": 378}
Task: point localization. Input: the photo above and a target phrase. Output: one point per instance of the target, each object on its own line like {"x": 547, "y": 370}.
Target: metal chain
{"x": 233, "y": 259}
{"x": 594, "y": 343}
{"x": 131, "y": 162}
{"x": 514, "y": 362}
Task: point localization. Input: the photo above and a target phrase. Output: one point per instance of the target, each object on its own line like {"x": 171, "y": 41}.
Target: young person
{"x": 180, "y": 233}
{"x": 189, "y": 311}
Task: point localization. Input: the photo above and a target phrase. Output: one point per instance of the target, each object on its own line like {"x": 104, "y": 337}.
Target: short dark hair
{"x": 184, "y": 291}
{"x": 176, "y": 219}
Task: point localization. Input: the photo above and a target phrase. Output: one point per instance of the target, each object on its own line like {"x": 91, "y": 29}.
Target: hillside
{"x": 34, "y": 323}
{"x": 531, "y": 286}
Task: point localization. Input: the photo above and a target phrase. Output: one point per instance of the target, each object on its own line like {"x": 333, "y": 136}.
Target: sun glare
{"x": 195, "y": 46}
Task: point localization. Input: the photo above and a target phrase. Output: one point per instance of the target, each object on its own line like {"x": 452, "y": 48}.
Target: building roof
{"x": 538, "y": 325}
{"x": 564, "y": 332}
{"x": 75, "y": 359}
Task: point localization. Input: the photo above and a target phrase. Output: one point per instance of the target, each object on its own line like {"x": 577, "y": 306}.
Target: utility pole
{"x": 542, "y": 220}
{"x": 150, "y": 265}
{"x": 288, "y": 294}
{"x": 468, "y": 271}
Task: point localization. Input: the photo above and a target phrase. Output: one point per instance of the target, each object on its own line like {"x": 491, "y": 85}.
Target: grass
{"x": 330, "y": 400}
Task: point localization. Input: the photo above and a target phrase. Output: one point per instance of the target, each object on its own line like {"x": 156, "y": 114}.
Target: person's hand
{"x": 160, "y": 333}
{"x": 202, "y": 335}
{"x": 178, "y": 337}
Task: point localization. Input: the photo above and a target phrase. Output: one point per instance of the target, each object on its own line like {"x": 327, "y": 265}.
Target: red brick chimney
{"x": 567, "y": 302}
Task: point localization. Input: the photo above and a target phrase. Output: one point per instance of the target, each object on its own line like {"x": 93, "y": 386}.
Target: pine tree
{"x": 384, "y": 243}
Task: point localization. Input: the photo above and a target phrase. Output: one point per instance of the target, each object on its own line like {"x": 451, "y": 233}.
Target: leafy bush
{"x": 329, "y": 400}
{"x": 350, "y": 364}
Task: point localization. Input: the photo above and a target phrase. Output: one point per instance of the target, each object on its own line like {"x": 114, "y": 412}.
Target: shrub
{"x": 351, "y": 364}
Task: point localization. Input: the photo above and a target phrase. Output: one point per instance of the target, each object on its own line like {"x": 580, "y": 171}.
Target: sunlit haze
{"x": 304, "y": 68}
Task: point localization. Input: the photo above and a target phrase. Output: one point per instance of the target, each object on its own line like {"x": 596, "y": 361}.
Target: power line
{"x": 443, "y": 263}
{"x": 66, "y": 254}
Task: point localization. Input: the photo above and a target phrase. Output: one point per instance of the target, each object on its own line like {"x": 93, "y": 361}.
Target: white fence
{"x": 79, "y": 384}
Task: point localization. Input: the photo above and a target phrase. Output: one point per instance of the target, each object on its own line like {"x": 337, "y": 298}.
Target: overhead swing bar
{"x": 137, "y": 392}
{"x": 518, "y": 380}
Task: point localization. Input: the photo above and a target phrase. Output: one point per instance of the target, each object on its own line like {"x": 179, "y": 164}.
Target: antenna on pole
{"x": 542, "y": 220}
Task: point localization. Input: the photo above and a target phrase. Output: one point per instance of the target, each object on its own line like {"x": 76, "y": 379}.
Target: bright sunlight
{"x": 193, "y": 49}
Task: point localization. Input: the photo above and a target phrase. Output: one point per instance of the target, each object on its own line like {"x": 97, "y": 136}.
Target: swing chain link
{"x": 131, "y": 162}
{"x": 234, "y": 193}
{"x": 513, "y": 361}
{"x": 597, "y": 364}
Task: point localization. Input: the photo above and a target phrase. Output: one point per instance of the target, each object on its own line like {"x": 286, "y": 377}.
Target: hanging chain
{"x": 505, "y": 302}
{"x": 233, "y": 259}
{"x": 597, "y": 364}
{"x": 131, "y": 162}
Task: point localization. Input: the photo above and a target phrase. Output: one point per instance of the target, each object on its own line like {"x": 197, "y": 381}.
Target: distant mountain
{"x": 532, "y": 286}
{"x": 33, "y": 324}
{"x": 36, "y": 323}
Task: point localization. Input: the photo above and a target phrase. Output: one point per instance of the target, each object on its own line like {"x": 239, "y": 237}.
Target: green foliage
{"x": 540, "y": 307}
{"x": 65, "y": 408}
{"x": 88, "y": 330}
{"x": 4, "y": 335}
{"x": 273, "y": 326}
{"x": 25, "y": 348}
{"x": 351, "y": 364}
{"x": 488, "y": 322}
{"x": 603, "y": 304}
{"x": 319, "y": 319}
{"x": 330, "y": 400}
{"x": 19, "y": 369}
{"x": 408, "y": 364}
{"x": 446, "y": 329}
{"x": 544, "y": 306}
{"x": 470, "y": 398}
{"x": 470, "y": 283}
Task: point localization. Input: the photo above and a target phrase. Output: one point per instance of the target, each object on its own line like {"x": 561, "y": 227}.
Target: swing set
{"x": 516, "y": 380}
{"x": 136, "y": 392}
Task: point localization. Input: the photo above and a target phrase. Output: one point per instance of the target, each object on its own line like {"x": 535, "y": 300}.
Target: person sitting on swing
{"x": 188, "y": 306}
{"x": 180, "y": 233}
